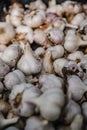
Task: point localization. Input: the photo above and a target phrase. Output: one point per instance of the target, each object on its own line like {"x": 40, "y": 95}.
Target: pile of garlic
{"x": 43, "y": 67}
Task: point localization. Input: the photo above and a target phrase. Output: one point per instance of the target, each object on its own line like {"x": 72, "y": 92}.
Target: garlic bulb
{"x": 74, "y": 85}
{"x": 47, "y": 62}
{"x": 48, "y": 81}
{"x": 7, "y": 33}
{"x": 24, "y": 32}
{"x": 11, "y": 54}
{"x": 1, "y": 87}
{"x": 52, "y": 98}
{"x": 19, "y": 97}
{"x": 77, "y": 123}
{"x": 13, "y": 78}
{"x": 6, "y": 122}
{"x": 39, "y": 52}
{"x": 58, "y": 65}
{"x": 11, "y": 128}
{"x": 73, "y": 41}
{"x": 84, "y": 109}
{"x": 28, "y": 62}
{"x": 16, "y": 16}
{"x": 35, "y": 18}
{"x": 55, "y": 35}
{"x": 70, "y": 111}
{"x": 78, "y": 19}
{"x": 39, "y": 4}
{"x": 41, "y": 38}
{"x": 57, "y": 51}
{"x": 4, "y": 69}
{"x": 38, "y": 123}
{"x": 76, "y": 56}
{"x": 57, "y": 9}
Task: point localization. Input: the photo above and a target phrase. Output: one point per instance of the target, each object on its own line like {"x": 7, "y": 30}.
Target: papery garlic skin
{"x": 11, "y": 128}
{"x": 47, "y": 62}
{"x": 19, "y": 97}
{"x": 4, "y": 69}
{"x": 11, "y": 54}
{"x": 76, "y": 56}
{"x": 37, "y": 5}
{"x": 76, "y": 87}
{"x": 53, "y": 97}
{"x": 38, "y": 123}
{"x": 35, "y": 18}
{"x": 55, "y": 35}
{"x": 70, "y": 111}
{"x": 28, "y": 63}
{"x": 48, "y": 81}
{"x": 78, "y": 19}
{"x": 24, "y": 32}
{"x": 13, "y": 78}
{"x": 58, "y": 65}
{"x": 16, "y": 16}
{"x": 39, "y": 52}
{"x": 7, "y": 33}
{"x": 57, "y": 51}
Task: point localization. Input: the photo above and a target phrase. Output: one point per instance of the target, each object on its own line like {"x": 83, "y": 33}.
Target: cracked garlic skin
{"x": 38, "y": 123}
{"x": 11, "y": 54}
{"x": 7, "y": 33}
{"x": 4, "y": 69}
{"x": 52, "y": 98}
{"x": 48, "y": 81}
{"x": 28, "y": 63}
{"x": 76, "y": 87}
{"x": 19, "y": 97}
{"x": 13, "y": 78}
{"x": 70, "y": 111}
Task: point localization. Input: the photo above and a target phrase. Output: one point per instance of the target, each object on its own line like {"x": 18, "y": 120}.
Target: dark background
{"x": 6, "y": 3}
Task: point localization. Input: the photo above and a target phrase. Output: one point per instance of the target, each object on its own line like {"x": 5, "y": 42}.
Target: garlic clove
{"x": 28, "y": 62}
{"x": 13, "y": 78}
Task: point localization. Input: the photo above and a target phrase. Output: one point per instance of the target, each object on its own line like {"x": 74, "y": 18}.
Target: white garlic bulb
{"x": 11, "y": 54}
{"x": 57, "y": 51}
{"x": 84, "y": 109}
{"x": 58, "y": 65}
{"x": 19, "y": 97}
{"x": 39, "y": 52}
{"x": 24, "y": 32}
{"x": 52, "y": 98}
{"x": 70, "y": 111}
{"x": 38, "y": 123}
{"x": 35, "y": 18}
{"x": 13, "y": 78}
{"x": 76, "y": 87}
{"x": 4, "y": 69}
{"x": 7, "y": 33}
{"x": 48, "y": 81}
{"x": 28, "y": 63}
{"x": 11, "y": 128}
